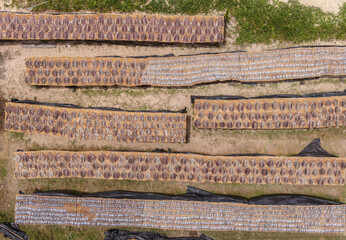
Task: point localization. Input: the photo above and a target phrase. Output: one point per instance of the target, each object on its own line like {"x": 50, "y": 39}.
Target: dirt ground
{"x": 332, "y": 6}
{"x": 276, "y": 142}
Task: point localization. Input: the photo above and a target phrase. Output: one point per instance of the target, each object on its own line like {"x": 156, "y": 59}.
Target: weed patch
{"x": 16, "y": 135}
{"x": 3, "y": 173}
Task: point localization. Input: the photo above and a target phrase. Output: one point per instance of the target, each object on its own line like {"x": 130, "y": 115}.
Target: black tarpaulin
{"x": 314, "y": 149}
{"x": 64, "y": 105}
{"x": 234, "y": 97}
{"x": 115, "y": 234}
{"x": 11, "y": 230}
{"x": 195, "y": 194}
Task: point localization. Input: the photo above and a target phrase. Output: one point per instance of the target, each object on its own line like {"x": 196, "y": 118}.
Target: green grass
{"x": 302, "y": 133}
{"x": 96, "y": 233}
{"x": 115, "y": 92}
{"x": 62, "y": 233}
{"x": 257, "y": 21}
{"x": 7, "y": 216}
{"x": 16, "y": 135}
{"x": 3, "y": 172}
{"x": 132, "y": 92}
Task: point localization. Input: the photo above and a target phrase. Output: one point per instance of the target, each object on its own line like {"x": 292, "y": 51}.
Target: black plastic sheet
{"x": 314, "y": 149}
{"x": 115, "y": 234}
{"x": 64, "y": 105}
{"x": 213, "y": 53}
{"x": 234, "y": 97}
{"x": 195, "y": 194}
{"x": 11, "y": 230}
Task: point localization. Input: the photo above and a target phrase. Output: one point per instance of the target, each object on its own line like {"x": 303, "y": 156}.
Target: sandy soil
{"x": 332, "y": 6}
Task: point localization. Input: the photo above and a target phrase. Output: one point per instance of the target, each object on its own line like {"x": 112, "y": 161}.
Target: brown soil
{"x": 332, "y": 6}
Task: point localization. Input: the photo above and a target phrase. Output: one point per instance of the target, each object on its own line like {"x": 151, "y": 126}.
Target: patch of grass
{"x": 55, "y": 232}
{"x": 283, "y": 132}
{"x": 7, "y": 216}
{"x": 35, "y": 87}
{"x": 132, "y": 92}
{"x": 3, "y": 172}
{"x": 257, "y": 21}
{"x": 113, "y": 92}
{"x": 58, "y": 233}
{"x": 260, "y": 21}
{"x": 16, "y": 135}
{"x": 19, "y": 136}
{"x": 143, "y": 107}
{"x": 325, "y": 80}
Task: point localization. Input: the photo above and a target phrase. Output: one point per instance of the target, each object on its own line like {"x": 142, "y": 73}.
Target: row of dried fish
{"x": 96, "y": 124}
{"x": 178, "y": 215}
{"x": 270, "y": 113}
{"x": 277, "y": 65}
{"x": 180, "y": 167}
{"x": 84, "y": 71}
{"x": 112, "y": 27}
